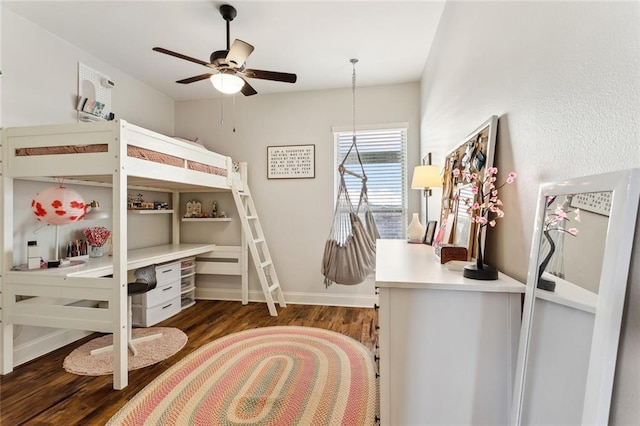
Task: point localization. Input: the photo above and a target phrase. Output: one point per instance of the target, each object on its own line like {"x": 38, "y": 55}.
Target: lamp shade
{"x": 426, "y": 177}
{"x": 227, "y": 83}
{"x": 94, "y": 211}
{"x": 58, "y": 205}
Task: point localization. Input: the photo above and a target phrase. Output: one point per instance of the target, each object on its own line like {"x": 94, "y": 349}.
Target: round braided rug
{"x": 80, "y": 361}
{"x": 284, "y": 375}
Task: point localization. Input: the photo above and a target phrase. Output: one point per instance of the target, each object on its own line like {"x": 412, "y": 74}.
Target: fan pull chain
{"x": 221, "y": 111}
{"x": 233, "y": 115}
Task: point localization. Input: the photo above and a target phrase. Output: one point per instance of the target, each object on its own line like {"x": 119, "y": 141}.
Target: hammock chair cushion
{"x": 350, "y": 262}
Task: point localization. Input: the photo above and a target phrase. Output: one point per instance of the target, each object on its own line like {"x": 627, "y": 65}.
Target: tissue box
{"x": 447, "y": 252}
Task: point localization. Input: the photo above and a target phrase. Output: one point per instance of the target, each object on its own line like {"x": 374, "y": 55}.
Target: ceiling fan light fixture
{"x": 227, "y": 83}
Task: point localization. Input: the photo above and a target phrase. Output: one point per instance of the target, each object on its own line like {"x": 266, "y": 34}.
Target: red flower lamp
{"x": 59, "y": 205}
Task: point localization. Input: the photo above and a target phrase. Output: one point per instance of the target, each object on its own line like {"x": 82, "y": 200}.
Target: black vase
{"x": 480, "y": 271}
{"x": 543, "y": 283}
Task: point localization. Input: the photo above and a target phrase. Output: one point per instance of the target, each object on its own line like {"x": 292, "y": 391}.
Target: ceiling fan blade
{"x": 194, "y": 78}
{"x": 270, "y": 75}
{"x": 247, "y": 90}
{"x": 181, "y": 56}
{"x": 238, "y": 53}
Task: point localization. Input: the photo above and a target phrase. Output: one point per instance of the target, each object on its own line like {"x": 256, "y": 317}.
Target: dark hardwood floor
{"x": 41, "y": 392}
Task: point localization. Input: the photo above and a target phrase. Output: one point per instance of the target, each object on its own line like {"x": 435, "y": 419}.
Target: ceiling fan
{"x": 229, "y": 65}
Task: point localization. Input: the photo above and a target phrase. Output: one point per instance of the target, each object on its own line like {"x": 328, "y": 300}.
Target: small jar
{"x": 96, "y": 251}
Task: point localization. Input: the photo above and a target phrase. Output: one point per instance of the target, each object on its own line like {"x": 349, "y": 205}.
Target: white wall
{"x": 564, "y": 79}
{"x": 40, "y": 81}
{"x": 1, "y": 69}
{"x": 296, "y": 214}
{"x": 39, "y": 86}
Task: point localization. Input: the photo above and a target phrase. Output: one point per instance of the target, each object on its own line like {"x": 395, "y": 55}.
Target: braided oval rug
{"x": 285, "y": 375}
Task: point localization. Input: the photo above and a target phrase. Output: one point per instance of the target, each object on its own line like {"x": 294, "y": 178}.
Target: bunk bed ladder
{"x": 258, "y": 248}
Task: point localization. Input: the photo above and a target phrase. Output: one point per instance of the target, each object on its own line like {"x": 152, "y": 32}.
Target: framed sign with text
{"x": 291, "y": 162}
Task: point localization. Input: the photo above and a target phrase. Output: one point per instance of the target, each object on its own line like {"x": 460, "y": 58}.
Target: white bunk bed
{"x": 115, "y": 154}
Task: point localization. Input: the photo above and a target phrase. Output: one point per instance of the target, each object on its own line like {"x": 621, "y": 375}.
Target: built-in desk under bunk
{"x": 114, "y": 154}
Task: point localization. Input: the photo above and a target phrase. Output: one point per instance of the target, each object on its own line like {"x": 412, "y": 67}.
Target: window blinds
{"x": 383, "y": 153}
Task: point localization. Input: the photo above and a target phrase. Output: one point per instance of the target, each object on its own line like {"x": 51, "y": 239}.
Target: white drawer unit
{"x": 163, "y": 301}
{"x": 187, "y": 282}
{"x": 158, "y": 295}
{"x": 167, "y": 273}
{"x": 463, "y": 336}
{"x": 146, "y": 317}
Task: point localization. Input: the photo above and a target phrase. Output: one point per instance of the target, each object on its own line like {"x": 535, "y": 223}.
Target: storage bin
{"x": 188, "y": 263}
{"x": 157, "y": 295}
{"x": 147, "y": 317}
{"x": 187, "y": 282}
{"x": 168, "y": 272}
{"x": 188, "y": 299}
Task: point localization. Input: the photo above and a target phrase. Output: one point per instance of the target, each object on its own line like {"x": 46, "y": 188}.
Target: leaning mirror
{"x": 576, "y": 285}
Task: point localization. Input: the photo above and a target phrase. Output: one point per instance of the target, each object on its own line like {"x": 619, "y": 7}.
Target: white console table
{"x": 448, "y": 344}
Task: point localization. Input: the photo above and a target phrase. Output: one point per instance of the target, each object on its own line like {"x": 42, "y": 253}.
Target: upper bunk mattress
{"x": 132, "y": 151}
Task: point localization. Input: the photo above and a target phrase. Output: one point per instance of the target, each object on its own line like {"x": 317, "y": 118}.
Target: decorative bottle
{"x": 415, "y": 230}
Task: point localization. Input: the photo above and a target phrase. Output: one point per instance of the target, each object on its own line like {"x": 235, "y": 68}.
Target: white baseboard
{"x": 45, "y": 344}
{"x": 294, "y": 298}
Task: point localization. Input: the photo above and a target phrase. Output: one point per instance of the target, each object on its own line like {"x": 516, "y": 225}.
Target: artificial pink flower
{"x": 555, "y": 221}
{"x": 560, "y": 213}
{"x": 484, "y": 211}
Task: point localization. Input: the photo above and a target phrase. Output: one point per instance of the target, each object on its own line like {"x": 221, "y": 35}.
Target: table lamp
{"x": 95, "y": 212}
{"x": 426, "y": 177}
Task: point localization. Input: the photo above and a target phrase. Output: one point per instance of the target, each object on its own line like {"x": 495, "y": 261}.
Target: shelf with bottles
{"x": 150, "y": 211}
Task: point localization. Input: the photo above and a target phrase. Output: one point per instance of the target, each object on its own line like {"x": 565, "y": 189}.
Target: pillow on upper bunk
{"x": 197, "y": 141}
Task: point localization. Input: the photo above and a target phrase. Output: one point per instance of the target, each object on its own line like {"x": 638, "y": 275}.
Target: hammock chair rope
{"x": 349, "y": 253}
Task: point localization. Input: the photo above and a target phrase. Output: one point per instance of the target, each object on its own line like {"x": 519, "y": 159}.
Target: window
{"x": 383, "y": 153}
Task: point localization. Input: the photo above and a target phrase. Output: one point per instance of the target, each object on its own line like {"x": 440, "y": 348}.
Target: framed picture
{"x": 291, "y": 162}
{"x": 430, "y": 232}
{"x": 443, "y": 233}
{"x": 464, "y": 229}
{"x": 474, "y": 155}
{"x": 595, "y": 202}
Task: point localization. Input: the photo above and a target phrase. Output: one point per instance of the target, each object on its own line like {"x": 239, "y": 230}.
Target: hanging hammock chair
{"x": 350, "y": 251}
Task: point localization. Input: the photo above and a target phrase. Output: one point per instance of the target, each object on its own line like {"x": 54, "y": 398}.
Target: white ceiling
{"x": 315, "y": 40}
